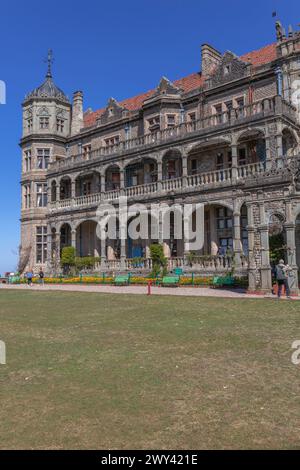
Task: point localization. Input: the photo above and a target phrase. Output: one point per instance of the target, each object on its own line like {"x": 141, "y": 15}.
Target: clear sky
{"x": 110, "y": 48}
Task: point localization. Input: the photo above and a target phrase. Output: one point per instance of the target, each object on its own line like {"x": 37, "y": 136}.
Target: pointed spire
{"x": 50, "y": 61}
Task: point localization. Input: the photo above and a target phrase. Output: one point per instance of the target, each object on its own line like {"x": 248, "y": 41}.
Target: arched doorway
{"x": 87, "y": 242}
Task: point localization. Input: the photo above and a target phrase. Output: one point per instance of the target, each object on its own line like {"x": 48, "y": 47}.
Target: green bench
{"x": 219, "y": 281}
{"x": 122, "y": 279}
{"x": 170, "y": 281}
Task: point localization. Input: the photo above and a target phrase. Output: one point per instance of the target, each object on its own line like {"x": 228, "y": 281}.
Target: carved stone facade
{"x": 227, "y": 137}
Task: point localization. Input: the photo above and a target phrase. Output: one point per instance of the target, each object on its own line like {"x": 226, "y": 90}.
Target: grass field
{"x": 105, "y": 371}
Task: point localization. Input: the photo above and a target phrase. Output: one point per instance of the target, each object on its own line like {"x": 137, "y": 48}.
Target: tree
{"x": 67, "y": 259}
{"x": 159, "y": 261}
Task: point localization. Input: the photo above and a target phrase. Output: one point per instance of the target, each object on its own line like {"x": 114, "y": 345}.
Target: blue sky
{"x": 110, "y": 48}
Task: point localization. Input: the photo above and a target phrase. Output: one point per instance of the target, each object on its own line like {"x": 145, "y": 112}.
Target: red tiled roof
{"x": 259, "y": 57}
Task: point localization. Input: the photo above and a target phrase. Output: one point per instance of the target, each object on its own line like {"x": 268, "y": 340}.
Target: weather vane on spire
{"x": 49, "y": 61}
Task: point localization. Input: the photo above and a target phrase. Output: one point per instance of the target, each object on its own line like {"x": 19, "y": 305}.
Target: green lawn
{"x": 102, "y": 371}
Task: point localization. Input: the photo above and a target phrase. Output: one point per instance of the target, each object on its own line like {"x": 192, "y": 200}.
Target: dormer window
{"x": 154, "y": 123}
{"x": 227, "y": 69}
{"x": 44, "y": 123}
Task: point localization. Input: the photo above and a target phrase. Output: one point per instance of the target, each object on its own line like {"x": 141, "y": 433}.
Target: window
{"x": 229, "y": 158}
{"x": 171, "y": 120}
{"x": 240, "y": 102}
{"x": 244, "y": 231}
{"x": 27, "y": 160}
{"x": 41, "y": 194}
{"x": 86, "y": 151}
{"x": 44, "y": 123}
{"x": 154, "y": 123}
{"x": 29, "y": 124}
{"x": 114, "y": 140}
{"x": 27, "y": 196}
{"x": 43, "y": 157}
{"x": 224, "y": 218}
{"x": 229, "y": 105}
{"x": 218, "y": 112}
{"x": 41, "y": 244}
{"x": 60, "y": 124}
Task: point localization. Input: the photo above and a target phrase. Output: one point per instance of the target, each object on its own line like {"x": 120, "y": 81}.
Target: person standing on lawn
{"x": 29, "y": 276}
{"x": 282, "y": 278}
{"x": 41, "y": 277}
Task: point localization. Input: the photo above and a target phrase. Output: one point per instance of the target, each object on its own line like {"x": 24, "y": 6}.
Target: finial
{"x": 49, "y": 61}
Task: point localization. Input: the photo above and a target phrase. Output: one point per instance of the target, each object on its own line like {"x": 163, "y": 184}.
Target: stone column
{"x": 73, "y": 189}
{"x": 237, "y": 245}
{"x": 110, "y": 251}
{"x": 290, "y": 228}
{"x": 73, "y": 239}
{"x": 57, "y": 191}
{"x": 213, "y": 231}
{"x": 103, "y": 253}
{"x": 49, "y": 250}
{"x": 159, "y": 174}
{"x": 234, "y": 165}
{"x": 186, "y": 244}
{"x": 184, "y": 170}
{"x": 251, "y": 252}
{"x": 123, "y": 253}
{"x": 266, "y": 278}
{"x": 102, "y": 183}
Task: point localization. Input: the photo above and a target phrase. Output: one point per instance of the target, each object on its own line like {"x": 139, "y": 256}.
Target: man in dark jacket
{"x": 282, "y": 278}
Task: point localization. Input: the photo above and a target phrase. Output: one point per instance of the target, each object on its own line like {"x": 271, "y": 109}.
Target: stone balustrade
{"x": 267, "y": 107}
{"x": 202, "y": 180}
{"x": 199, "y": 264}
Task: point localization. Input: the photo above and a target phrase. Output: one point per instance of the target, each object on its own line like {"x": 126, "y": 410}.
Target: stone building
{"x": 227, "y": 137}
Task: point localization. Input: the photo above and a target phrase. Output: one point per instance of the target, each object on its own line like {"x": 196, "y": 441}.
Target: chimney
{"x": 211, "y": 58}
{"x": 77, "y": 112}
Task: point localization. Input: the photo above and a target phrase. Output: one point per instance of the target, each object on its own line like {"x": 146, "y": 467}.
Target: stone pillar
{"x": 103, "y": 253}
{"x": 186, "y": 241}
{"x": 73, "y": 189}
{"x": 123, "y": 253}
{"x": 184, "y": 170}
{"x": 214, "y": 247}
{"x": 234, "y": 165}
{"x": 159, "y": 174}
{"x": 266, "y": 278}
{"x": 237, "y": 245}
{"x": 57, "y": 191}
{"x": 290, "y": 231}
{"x": 251, "y": 252}
{"x": 73, "y": 239}
{"x": 49, "y": 250}
{"x": 110, "y": 251}
{"x": 102, "y": 183}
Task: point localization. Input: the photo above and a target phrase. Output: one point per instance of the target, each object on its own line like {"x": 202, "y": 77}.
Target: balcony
{"x": 213, "y": 179}
{"x": 269, "y": 107}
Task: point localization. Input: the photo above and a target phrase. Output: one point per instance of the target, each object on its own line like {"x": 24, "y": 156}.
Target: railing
{"x": 209, "y": 264}
{"x": 251, "y": 169}
{"x": 267, "y": 107}
{"x": 215, "y": 178}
